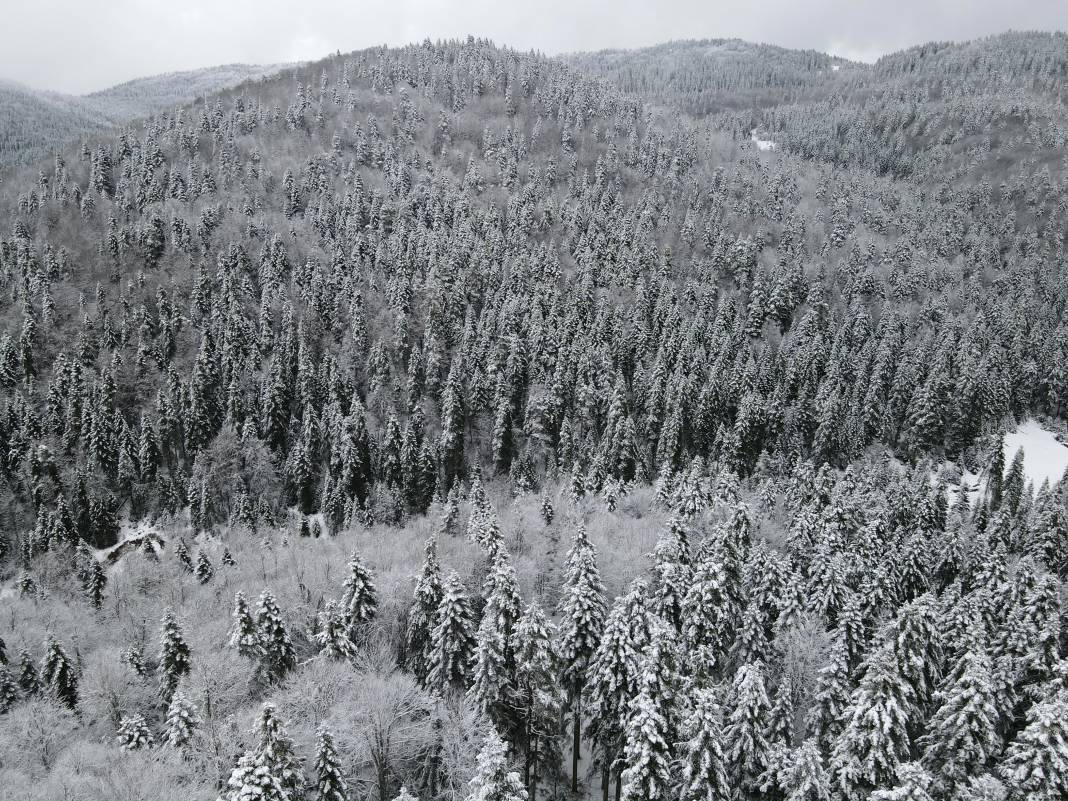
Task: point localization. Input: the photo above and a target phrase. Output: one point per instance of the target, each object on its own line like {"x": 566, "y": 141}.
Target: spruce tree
{"x": 422, "y": 617}
{"x": 492, "y": 780}
{"x": 538, "y": 698}
{"x": 748, "y": 751}
{"x": 913, "y": 783}
{"x": 1036, "y": 762}
{"x": 804, "y": 778}
{"x": 582, "y": 613}
{"x": 173, "y": 655}
{"x": 8, "y": 689}
{"x": 28, "y": 678}
{"x": 453, "y": 641}
{"x": 182, "y": 721}
{"x": 204, "y": 570}
{"x": 360, "y": 601}
{"x": 277, "y": 655}
{"x": 330, "y": 784}
{"x": 333, "y": 635}
{"x": 704, "y": 774}
{"x": 134, "y": 733}
{"x": 58, "y": 674}
{"x": 647, "y": 752}
{"x": 243, "y": 634}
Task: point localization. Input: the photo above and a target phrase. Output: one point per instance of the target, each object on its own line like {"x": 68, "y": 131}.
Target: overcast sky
{"x": 83, "y": 45}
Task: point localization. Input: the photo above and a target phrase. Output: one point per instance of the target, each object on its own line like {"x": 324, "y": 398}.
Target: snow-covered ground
{"x": 762, "y": 144}
{"x": 1045, "y": 458}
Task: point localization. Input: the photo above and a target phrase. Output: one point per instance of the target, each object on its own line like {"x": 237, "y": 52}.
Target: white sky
{"x": 84, "y": 45}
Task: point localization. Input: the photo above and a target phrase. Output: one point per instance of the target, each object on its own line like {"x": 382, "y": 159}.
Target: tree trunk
{"x": 606, "y": 780}
{"x": 576, "y": 732}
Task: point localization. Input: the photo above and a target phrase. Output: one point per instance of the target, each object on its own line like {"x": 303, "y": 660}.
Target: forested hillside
{"x": 34, "y": 125}
{"x": 645, "y": 447}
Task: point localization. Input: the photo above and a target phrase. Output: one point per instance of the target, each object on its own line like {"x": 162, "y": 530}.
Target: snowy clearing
{"x": 762, "y": 144}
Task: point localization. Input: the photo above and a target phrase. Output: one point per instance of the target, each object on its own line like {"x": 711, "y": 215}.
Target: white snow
{"x": 1045, "y": 457}
{"x": 762, "y": 144}
{"x": 836, "y": 67}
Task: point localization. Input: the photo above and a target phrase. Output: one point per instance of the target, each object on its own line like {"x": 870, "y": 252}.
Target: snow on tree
{"x": 1035, "y": 765}
{"x": 647, "y": 752}
{"x": 277, "y": 655}
{"x": 243, "y": 634}
{"x": 360, "y": 601}
{"x": 803, "y": 778}
{"x": 538, "y": 698}
{"x": 182, "y": 721}
{"x": 330, "y": 784}
{"x": 422, "y": 616}
{"x": 913, "y": 783}
{"x": 582, "y": 613}
{"x": 453, "y": 641}
{"x": 58, "y": 674}
{"x": 8, "y": 689}
{"x": 333, "y": 635}
{"x": 704, "y": 773}
{"x": 134, "y": 733}
{"x": 748, "y": 750}
{"x": 875, "y": 737}
{"x": 962, "y": 735}
{"x": 204, "y": 570}
{"x": 493, "y": 781}
{"x": 173, "y": 655}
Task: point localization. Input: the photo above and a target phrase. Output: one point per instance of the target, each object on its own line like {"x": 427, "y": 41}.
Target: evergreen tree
{"x": 582, "y": 613}
{"x": 29, "y": 681}
{"x": 277, "y": 655}
{"x": 422, "y": 617}
{"x": 58, "y": 674}
{"x": 182, "y": 721}
{"x": 804, "y": 778}
{"x": 748, "y": 751}
{"x": 243, "y": 634}
{"x": 8, "y": 689}
{"x": 704, "y": 774}
{"x": 452, "y": 640}
{"x": 360, "y": 600}
{"x": 333, "y": 636}
{"x": 330, "y": 782}
{"x": 492, "y": 780}
{"x": 269, "y": 772}
{"x": 912, "y": 785}
{"x": 204, "y": 571}
{"x": 832, "y": 697}
{"x": 173, "y": 655}
{"x": 538, "y": 698}
{"x": 1036, "y": 762}
{"x": 647, "y": 752}
{"x": 134, "y": 733}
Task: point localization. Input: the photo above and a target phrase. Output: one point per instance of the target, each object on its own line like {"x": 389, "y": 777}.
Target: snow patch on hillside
{"x": 762, "y": 144}
{"x": 1045, "y": 457}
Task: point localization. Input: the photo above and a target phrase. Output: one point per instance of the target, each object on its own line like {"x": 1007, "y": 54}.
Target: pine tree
{"x": 95, "y": 582}
{"x": 804, "y": 778}
{"x": 704, "y": 774}
{"x": 29, "y": 681}
{"x": 182, "y": 721}
{"x": 647, "y": 752}
{"x": 582, "y": 612}
{"x": 58, "y": 674}
{"x": 134, "y": 733}
{"x": 204, "y": 571}
{"x": 243, "y": 634}
{"x": 330, "y": 784}
{"x": 278, "y": 657}
{"x": 832, "y": 697}
{"x": 1036, "y": 762}
{"x": 492, "y": 780}
{"x": 269, "y": 772}
{"x": 748, "y": 751}
{"x": 962, "y": 735}
{"x": 538, "y": 698}
{"x": 422, "y": 617}
{"x": 8, "y": 689}
{"x": 875, "y": 738}
{"x": 333, "y": 636}
{"x": 173, "y": 655}
{"x": 360, "y": 601}
{"x": 452, "y": 640}
{"x": 912, "y": 785}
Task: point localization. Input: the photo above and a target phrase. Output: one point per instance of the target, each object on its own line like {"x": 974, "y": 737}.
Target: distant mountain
{"x": 33, "y": 123}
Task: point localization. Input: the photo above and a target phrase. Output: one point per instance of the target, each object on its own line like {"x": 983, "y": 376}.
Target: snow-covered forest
{"x": 454, "y": 423}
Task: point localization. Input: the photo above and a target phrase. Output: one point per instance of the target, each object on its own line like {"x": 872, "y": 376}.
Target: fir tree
{"x": 277, "y": 654}
{"x": 804, "y": 778}
{"x": 647, "y": 752}
{"x": 538, "y": 697}
{"x": 8, "y": 689}
{"x": 360, "y": 601}
{"x": 492, "y": 780}
{"x": 422, "y": 617}
{"x": 1036, "y": 762}
{"x": 28, "y": 679}
{"x": 748, "y": 751}
{"x": 173, "y": 655}
{"x": 333, "y": 635}
{"x": 134, "y": 733}
{"x": 182, "y": 721}
{"x": 704, "y": 774}
{"x": 912, "y": 785}
{"x": 452, "y": 640}
{"x": 330, "y": 784}
{"x": 58, "y": 674}
{"x": 204, "y": 571}
{"x": 243, "y": 633}
{"x": 582, "y": 612}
